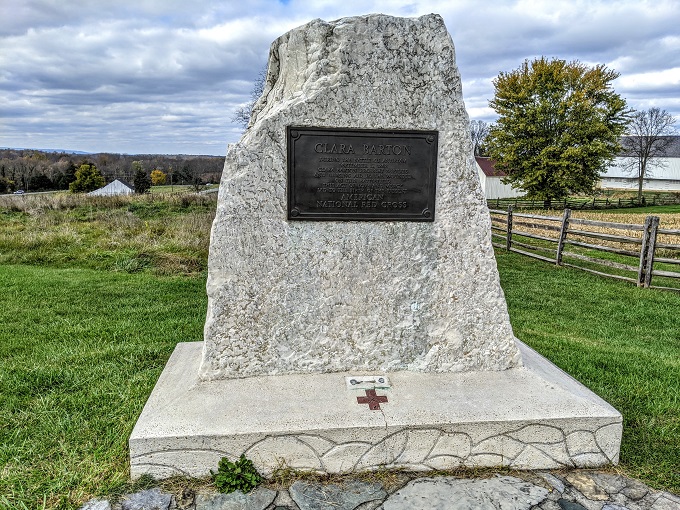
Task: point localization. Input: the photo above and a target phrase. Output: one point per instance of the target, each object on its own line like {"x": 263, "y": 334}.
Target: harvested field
{"x": 606, "y": 243}
{"x": 550, "y": 229}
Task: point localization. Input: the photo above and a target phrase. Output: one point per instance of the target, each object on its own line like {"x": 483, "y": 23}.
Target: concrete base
{"x": 535, "y": 417}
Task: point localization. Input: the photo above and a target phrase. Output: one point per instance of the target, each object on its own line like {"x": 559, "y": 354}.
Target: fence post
{"x": 563, "y": 235}
{"x": 644, "y": 251}
{"x": 508, "y": 237}
{"x": 651, "y": 247}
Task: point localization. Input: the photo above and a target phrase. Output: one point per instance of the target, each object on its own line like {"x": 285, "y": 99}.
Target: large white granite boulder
{"x": 328, "y": 296}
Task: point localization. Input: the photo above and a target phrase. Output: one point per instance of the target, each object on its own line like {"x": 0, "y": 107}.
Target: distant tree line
{"x": 32, "y": 170}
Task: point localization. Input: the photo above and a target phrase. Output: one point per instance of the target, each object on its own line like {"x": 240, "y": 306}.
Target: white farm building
{"x": 490, "y": 177}
{"x": 116, "y": 187}
{"x": 664, "y": 177}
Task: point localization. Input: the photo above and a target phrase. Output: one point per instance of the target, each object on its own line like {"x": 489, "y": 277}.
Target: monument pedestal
{"x": 533, "y": 417}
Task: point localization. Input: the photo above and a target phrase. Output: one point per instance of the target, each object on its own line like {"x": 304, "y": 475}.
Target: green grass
{"x": 84, "y": 338}
{"x": 620, "y": 341}
{"x": 81, "y": 351}
{"x": 167, "y": 188}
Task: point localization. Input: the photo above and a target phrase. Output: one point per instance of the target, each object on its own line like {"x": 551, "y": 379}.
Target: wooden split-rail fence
{"x": 600, "y": 247}
{"x": 581, "y": 203}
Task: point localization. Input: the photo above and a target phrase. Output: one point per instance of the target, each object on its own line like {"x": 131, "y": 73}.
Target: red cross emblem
{"x": 372, "y": 400}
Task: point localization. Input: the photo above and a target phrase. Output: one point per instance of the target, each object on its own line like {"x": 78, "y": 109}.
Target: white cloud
{"x": 664, "y": 81}
{"x": 167, "y": 75}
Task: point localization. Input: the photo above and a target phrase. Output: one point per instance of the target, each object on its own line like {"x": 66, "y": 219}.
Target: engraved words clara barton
{"x": 352, "y": 174}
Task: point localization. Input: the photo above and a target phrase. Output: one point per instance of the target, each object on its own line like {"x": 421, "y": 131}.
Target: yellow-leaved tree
{"x": 559, "y": 126}
{"x": 158, "y": 177}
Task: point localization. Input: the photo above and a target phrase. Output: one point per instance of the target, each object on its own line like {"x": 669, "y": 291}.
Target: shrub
{"x": 142, "y": 182}
{"x": 236, "y": 476}
{"x": 88, "y": 178}
{"x": 6, "y": 186}
{"x": 158, "y": 177}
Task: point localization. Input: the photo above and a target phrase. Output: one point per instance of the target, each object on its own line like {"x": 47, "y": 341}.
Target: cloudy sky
{"x": 165, "y": 76}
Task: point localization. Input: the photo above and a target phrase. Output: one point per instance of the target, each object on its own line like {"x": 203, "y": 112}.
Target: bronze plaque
{"x": 352, "y": 174}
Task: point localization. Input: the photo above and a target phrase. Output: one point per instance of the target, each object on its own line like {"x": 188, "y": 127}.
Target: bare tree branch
{"x": 479, "y": 130}
{"x": 647, "y": 142}
{"x": 242, "y": 114}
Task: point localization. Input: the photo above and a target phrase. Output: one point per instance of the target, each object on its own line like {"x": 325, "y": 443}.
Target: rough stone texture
{"x": 151, "y": 499}
{"x": 370, "y": 505}
{"x": 446, "y": 493}
{"x": 96, "y": 504}
{"x": 318, "y": 296}
{"x": 563, "y": 496}
{"x": 570, "y": 505}
{"x": 587, "y": 486}
{"x": 347, "y": 496}
{"x": 634, "y": 490}
{"x": 284, "y": 501}
{"x": 666, "y": 501}
{"x": 259, "y": 499}
{"x": 553, "y": 481}
{"x": 548, "y": 505}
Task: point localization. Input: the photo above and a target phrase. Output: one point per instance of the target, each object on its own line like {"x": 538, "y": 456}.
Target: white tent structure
{"x": 116, "y": 187}
{"x": 663, "y": 177}
{"x": 490, "y": 177}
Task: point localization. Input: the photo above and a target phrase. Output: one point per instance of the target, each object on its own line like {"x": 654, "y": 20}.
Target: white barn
{"x": 116, "y": 187}
{"x": 490, "y": 177}
{"x": 665, "y": 177}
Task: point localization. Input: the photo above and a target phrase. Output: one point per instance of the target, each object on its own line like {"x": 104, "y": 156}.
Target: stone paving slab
{"x": 151, "y": 499}
{"x": 314, "y": 496}
{"x": 259, "y": 499}
{"x": 97, "y": 504}
{"x": 448, "y": 493}
{"x": 546, "y": 490}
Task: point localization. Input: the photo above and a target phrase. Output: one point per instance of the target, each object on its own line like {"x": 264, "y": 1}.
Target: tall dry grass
{"x": 166, "y": 234}
{"x": 669, "y": 221}
{"x": 64, "y": 201}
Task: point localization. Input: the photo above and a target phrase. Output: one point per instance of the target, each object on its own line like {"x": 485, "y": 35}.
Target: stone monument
{"x": 355, "y": 316}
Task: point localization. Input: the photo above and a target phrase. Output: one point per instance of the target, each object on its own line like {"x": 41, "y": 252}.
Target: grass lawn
{"x": 80, "y": 352}
{"x": 620, "y": 341}
{"x": 83, "y": 340}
